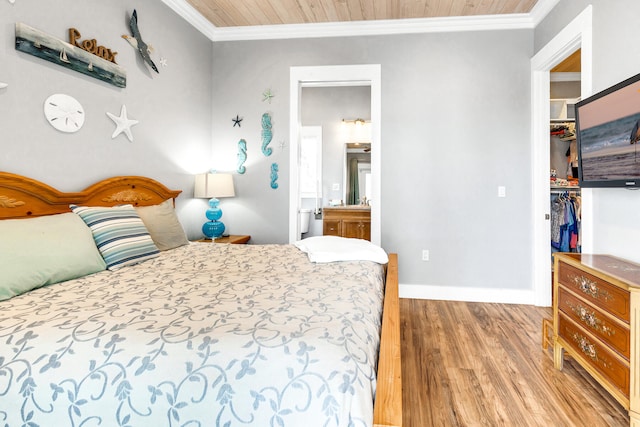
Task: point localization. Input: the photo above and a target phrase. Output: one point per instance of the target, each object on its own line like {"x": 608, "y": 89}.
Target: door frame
{"x": 576, "y": 35}
{"x": 331, "y": 76}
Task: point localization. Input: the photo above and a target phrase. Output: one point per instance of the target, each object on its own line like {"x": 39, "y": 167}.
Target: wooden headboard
{"x": 22, "y": 197}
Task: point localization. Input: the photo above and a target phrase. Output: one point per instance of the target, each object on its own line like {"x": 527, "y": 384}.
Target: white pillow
{"x": 163, "y": 225}
{"x": 334, "y": 248}
{"x": 44, "y": 250}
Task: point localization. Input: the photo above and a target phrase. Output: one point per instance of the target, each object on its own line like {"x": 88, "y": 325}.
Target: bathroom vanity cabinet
{"x": 347, "y": 221}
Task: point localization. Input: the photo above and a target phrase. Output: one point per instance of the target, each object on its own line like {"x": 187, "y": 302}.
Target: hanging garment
{"x": 557, "y": 221}
{"x": 565, "y": 223}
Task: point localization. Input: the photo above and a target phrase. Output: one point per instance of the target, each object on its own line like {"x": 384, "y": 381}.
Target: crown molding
{"x": 363, "y": 28}
{"x": 193, "y": 17}
{"x": 541, "y": 9}
{"x": 371, "y": 28}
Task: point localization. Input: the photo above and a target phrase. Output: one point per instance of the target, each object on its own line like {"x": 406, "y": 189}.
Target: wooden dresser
{"x": 347, "y": 222}
{"x": 596, "y": 320}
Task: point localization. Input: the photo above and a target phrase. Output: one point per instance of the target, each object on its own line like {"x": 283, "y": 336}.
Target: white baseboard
{"x": 447, "y": 293}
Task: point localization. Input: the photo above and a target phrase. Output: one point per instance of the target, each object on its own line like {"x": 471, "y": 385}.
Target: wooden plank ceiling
{"x": 570, "y": 65}
{"x": 237, "y": 13}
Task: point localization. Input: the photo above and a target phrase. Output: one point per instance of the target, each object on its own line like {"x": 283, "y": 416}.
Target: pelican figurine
{"x": 137, "y": 42}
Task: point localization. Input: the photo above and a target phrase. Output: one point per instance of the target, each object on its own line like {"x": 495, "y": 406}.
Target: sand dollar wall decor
{"x": 64, "y": 113}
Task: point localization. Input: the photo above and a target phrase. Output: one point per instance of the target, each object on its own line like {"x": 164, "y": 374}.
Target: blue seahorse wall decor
{"x": 242, "y": 156}
{"x": 274, "y": 175}
{"x": 267, "y": 135}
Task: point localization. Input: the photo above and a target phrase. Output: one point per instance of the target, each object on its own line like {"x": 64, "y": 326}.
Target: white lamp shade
{"x": 210, "y": 185}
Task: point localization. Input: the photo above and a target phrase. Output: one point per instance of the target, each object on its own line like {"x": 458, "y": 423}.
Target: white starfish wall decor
{"x": 123, "y": 123}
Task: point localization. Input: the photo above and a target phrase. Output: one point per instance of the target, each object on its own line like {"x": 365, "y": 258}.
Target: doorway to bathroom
{"x": 334, "y": 76}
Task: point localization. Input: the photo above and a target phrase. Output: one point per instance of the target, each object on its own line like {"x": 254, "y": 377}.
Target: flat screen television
{"x": 608, "y": 134}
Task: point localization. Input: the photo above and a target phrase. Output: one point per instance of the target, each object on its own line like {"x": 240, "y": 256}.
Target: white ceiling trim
{"x": 193, "y": 17}
{"x": 542, "y": 9}
{"x": 362, "y": 28}
{"x": 370, "y": 28}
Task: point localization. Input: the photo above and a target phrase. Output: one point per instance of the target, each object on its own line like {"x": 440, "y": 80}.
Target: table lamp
{"x": 211, "y": 186}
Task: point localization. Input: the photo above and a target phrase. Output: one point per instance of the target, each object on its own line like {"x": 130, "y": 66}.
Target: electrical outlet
{"x": 425, "y": 255}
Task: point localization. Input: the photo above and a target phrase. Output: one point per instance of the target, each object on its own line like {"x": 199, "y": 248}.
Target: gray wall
{"x": 172, "y": 140}
{"x": 455, "y": 126}
{"x": 616, "y": 56}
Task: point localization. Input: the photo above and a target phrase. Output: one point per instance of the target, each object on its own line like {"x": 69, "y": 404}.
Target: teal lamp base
{"x": 214, "y": 228}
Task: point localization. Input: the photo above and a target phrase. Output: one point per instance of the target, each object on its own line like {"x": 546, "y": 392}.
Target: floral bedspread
{"x": 204, "y": 335}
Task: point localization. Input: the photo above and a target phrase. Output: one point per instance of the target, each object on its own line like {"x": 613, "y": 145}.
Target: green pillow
{"x": 44, "y": 250}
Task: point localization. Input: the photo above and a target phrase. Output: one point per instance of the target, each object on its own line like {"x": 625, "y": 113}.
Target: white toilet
{"x": 305, "y": 216}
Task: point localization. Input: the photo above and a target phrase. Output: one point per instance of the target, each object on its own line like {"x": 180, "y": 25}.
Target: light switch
{"x": 502, "y": 191}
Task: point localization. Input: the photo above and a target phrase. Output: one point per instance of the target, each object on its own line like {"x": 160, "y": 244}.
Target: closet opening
{"x": 565, "y": 199}
{"x": 575, "y": 35}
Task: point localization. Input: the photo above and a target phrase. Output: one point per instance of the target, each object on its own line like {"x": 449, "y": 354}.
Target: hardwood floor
{"x": 477, "y": 364}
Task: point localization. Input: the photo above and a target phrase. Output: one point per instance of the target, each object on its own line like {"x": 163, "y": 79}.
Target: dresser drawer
{"x": 612, "y": 333}
{"x": 601, "y": 293}
{"x": 597, "y": 355}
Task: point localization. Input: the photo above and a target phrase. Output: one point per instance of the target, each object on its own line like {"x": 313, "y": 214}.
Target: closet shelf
{"x": 565, "y": 187}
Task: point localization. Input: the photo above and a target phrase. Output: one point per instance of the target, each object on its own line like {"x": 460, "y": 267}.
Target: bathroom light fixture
{"x": 211, "y": 186}
{"x": 356, "y": 131}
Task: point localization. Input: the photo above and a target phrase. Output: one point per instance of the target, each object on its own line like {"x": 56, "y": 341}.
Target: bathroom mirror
{"x": 357, "y": 173}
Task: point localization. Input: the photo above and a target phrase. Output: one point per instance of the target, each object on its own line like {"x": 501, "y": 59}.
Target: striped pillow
{"x": 119, "y": 233}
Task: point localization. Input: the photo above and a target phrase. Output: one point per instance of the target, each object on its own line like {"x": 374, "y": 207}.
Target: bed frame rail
{"x": 387, "y": 410}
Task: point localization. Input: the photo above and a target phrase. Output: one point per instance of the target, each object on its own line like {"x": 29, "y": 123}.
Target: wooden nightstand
{"x": 232, "y": 238}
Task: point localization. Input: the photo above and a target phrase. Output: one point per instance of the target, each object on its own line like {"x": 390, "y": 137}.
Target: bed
{"x": 188, "y": 334}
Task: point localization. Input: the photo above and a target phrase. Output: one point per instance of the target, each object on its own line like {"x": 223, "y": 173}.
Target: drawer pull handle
{"x": 591, "y": 288}
{"x": 588, "y": 349}
{"x": 589, "y": 318}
